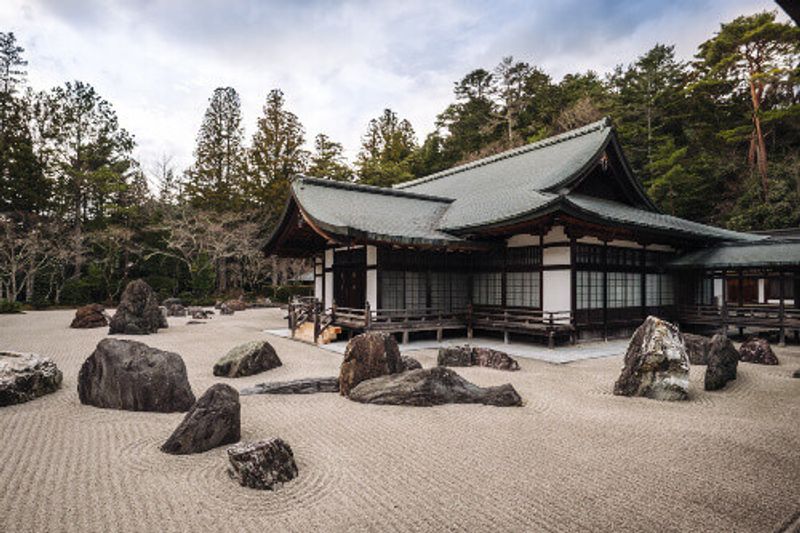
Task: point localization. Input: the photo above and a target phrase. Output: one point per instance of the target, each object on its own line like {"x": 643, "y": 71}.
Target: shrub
{"x": 7, "y": 307}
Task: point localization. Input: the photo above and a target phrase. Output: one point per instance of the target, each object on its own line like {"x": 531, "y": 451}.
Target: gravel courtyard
{"x": 574, "y": 457}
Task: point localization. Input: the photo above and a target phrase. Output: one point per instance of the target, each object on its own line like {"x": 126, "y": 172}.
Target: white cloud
{"x": 339, "y": 64}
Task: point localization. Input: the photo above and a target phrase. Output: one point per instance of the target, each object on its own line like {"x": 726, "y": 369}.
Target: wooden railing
{"x": 765, "y": 316}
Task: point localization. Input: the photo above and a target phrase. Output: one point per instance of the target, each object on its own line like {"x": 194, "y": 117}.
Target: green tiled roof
{"x": 516, "y": 185}
{"x": 768, "y": 253}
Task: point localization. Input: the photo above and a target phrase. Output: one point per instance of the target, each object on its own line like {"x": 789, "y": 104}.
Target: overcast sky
{"x": 339, "y": 63}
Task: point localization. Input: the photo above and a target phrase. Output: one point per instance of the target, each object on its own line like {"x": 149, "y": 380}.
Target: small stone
{"x": 176, "y": 310}
{"x": 247, "y": 359}
{"x": 90, "y": 316}
{"x": 367, "y": 356}
{"x": 722, "y": 362}
{"x": 758, "y": 351}
{"x": 225, "y": 309}
{"x": 236, "y": 305}
{"x": 201, "y": 314}
{"x": 431, "y": 386}
{"x": 26, "y": 376}
{"x": 129, "y": 375}
{"x": 214, "y": 420}
{"x": 262, "y": 465}
{"x": 656, "y": 364}
{"x": 796, "y": 373}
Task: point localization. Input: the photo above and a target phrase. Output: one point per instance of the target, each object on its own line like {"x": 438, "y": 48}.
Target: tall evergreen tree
{"x": 386, "y": 151}
{"x": 216, "y": 179}
{"x": 276, "y": 154}
{"x": 328, "y": 160}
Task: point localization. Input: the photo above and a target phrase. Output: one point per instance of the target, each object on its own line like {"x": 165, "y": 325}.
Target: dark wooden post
{"x": 316, "y": 321}
{"x": 724, "y": 311}
{"x": 605, "y": 290}
{"x": 292, "y": 317}
{"x": 367, "y": 316}
{"x": 469, "y": 321}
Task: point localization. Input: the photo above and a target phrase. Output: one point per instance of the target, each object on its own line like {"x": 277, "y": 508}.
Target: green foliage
{"x": 386, "y": 151}
{"x": 8, "y": 307}
{"x": 328, "y": 162}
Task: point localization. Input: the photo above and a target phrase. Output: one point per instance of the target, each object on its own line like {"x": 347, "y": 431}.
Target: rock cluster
{"x": 722, "y": 362}
{"x": 757, "y": 350}
{"x": 214, "y": 420}
{"x": 367, "y": 356}
{"x": 247, "y": 359}
{"x": 475, "y": 356}
{"x": 24, "y": 377}
{"x": 129, "y": 375}
{"x": 696, "y": 348}
{"x": 198, "y": 313}
{"x": 656, "y": 364}
{"x": 297, "y": 386}
{"x": 262, "y": 465}
{"x": 138, "y": 312}
{"x": 90, "y": 316}
{"x": 431, "y": 386}
{"x": 225, "y": 309}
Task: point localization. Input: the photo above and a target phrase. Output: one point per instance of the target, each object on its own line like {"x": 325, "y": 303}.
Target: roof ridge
{"x": 387, "y": 191}
{"x": 549, "y": 141}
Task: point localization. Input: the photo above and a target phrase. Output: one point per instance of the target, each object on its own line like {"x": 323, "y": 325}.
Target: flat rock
{"x": 297, "y": 386}
{"x": 214, "y": 420}
{"x": 455, "y": 356}
{"x": 656, "y": 364}
{"x": 757, "y": 350}
{"x": 247, "y": 359}
{"x": 129, "y": 375}
{"x": 722, "y": 362}
{"x": 367, "y": 356}
{"x": 409, "y": 363}
{"x": 262, "y": 465}
{"x": 26, "y": 376}
{"x": 696, "y": 348}
{"x": 90, "y": 316}
{"x": 431, "y": 386}
{"x": 138, "y": 312}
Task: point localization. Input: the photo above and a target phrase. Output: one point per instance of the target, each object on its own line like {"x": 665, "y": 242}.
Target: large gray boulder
{"x": 656, "y": 364}
{"x": 129, "y": 375}
{"x": 214, "y": 420}
{"x": 757, "y": 350}
{"x": 90, "y": 316}
{"x": 696, "y": 348}
{"x": 26, "y": 376}
{"x": 262, "y": 465}
{"x": 475, "y": 356}
{"x": 431, "y": 386}
{"x": 247, "y": 359}
{"x": 138, "y": 312}
{"x": 722, "y": 362}
{"x": 367, "y": 356}
{"x": 297, "y": 386}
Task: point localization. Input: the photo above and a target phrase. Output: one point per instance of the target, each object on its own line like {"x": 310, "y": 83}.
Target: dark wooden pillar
{"x": 781, "y": 311}
{"x": 643, "y": 284}
{"x": 724, "y": 310}
{"x": 605, "y": 290}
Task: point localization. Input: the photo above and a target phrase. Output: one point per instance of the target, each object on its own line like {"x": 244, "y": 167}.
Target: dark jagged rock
{"x": 90, "y": 316}
{"x": 722, "y": 362}
{"x": 214, "y": 420}
{"x": 26, "y": 376}
{"x": 431, "y": 386}
{"x": 757, "y": 350}
{"x": 455, "y": 356}
{"x": 201, "y": 314}
{"x": 656, "y": 365}
{"x": 225, "y": 309}
{"x": 176, "y": 310}
{"x": 367, "y": 356}
{"x": 471, "y": 356}
{"x": 129, "y": 375}
{"x": 409, "y": 363}
{"x": 796, "y": 373}
{"x": 138, "y": 312}
{"x": 262, "y": 465}
{"x": 696, "y": 348}
{"x": 493, "y": 359}
{"x": 247, "y": 359}
{"x": 297, "y": 386}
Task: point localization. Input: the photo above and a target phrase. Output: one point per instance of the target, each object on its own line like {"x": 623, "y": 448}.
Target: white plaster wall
{"x": 372, "y": 255}
{"x": 718, "y": 291}
{"x": 318, "y": 288}
{"x": 556, "y": 234}
{"x": 328, "y": 290}
{"x": 762, "y": 293}
{"x": 522, "y": 239}
{"x": 318, "y": 273}
{"x": 372, "y": 288}
{"x": 328, "y": 258}
{"x": 556, "y": 255}
{"x": 556, "y": 290}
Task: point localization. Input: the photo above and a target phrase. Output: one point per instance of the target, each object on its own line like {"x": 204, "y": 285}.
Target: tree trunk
{"x": 758, "y": 141}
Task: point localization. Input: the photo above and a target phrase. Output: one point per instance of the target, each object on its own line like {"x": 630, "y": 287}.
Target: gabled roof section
{"x": 352, "y": 211}
{"x": 768, "y": 253}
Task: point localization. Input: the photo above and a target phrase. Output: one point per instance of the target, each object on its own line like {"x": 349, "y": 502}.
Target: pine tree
{"x": 276, "y": 154}
{"x": 386, "y": 151}
{"x": 328, "y": 161}
{"x": 216, "y": 179}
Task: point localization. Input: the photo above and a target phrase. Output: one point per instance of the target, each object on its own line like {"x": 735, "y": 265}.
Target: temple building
{"x": 554, "y": 240}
